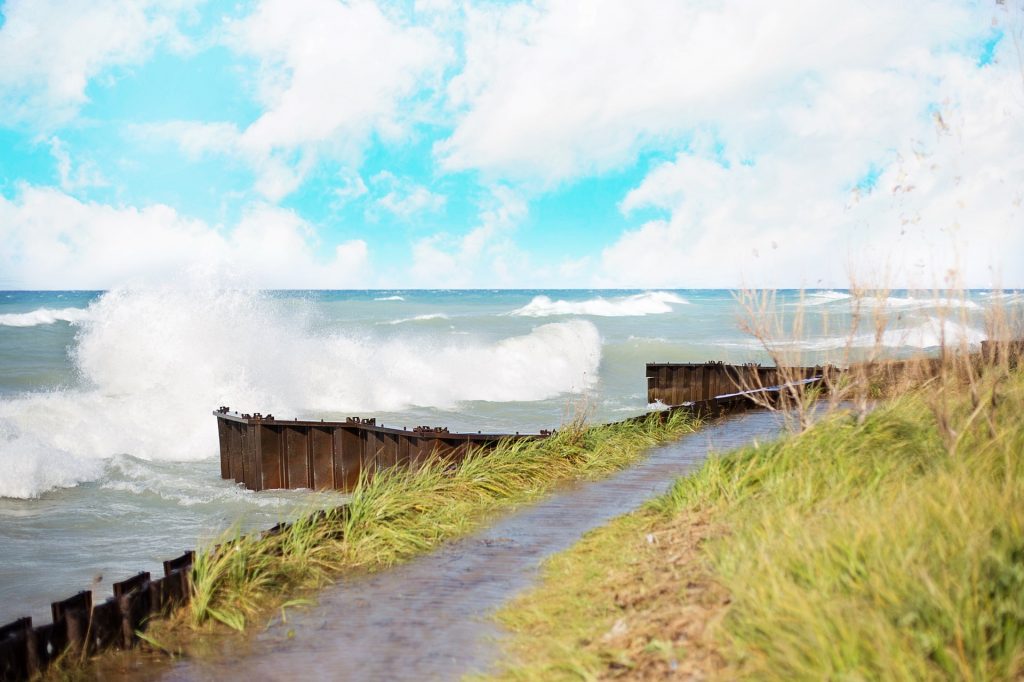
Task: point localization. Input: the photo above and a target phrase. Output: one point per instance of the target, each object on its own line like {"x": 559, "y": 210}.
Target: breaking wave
{"x": 420, "y": 318}
{"x": 932, "y": 333}
{"x": 888, "y": 302}
{"x": 823, "y": 297}
{"x": 647, "y": 303}
{"x": 43, "y": 316}
{"x": 154, "y": 363}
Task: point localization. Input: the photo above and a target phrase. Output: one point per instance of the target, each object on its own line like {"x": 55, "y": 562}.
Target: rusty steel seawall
{"x": 80, "y": 628}
{"x": 678, "y": 383}
{"x": 263, "y": 453}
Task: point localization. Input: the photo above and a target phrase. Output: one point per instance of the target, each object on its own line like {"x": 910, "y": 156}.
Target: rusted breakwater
{"x": 264, "y": 453}
{"x": 678, "y": 383}
{"x": 81, "y": 628}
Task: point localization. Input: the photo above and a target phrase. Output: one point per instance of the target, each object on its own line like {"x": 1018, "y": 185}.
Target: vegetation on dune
{"x": 398, "y": 513}
{"x": 881, "y": 546}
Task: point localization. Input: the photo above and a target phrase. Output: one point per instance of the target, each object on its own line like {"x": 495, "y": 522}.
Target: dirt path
{"x": 427, "y": 619}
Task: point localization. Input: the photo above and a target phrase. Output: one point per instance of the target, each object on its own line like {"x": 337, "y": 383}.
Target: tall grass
{"x": 398, "y": 513}
{"x": 882, "y": 542}
{"x": 785, "y": 333}
{"x": 873, "y": 550}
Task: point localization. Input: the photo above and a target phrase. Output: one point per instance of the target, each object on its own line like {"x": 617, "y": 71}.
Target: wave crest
{"x": 43, "y": 316}
{"x": 647, "y": 303}
{"x": 156, "y": 362}
{"x": 421, "y": 318}
{"x": 929, "y": 334}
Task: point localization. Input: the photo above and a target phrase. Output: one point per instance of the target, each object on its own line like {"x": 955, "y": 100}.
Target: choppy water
{"x": 108, "y": 448}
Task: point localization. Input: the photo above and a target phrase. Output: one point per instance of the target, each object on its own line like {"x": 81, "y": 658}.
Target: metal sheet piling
{"x": 265, "y": 453}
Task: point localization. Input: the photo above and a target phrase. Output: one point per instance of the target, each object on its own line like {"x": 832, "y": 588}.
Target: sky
{"x": 548, "y": 144}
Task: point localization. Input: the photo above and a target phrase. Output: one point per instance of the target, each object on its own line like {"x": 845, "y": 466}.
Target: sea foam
{"x": 871, "y": 302}
{"x": 420, "y": 318}
{"x": 647, "y": 303}
{"x": 931, "y": 333}
{"x": 43, "y": 316}
{"x": 156, "y": 362}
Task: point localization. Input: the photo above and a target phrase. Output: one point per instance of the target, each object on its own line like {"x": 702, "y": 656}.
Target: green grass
{"x": 399, "y": 513}
{"x": 868, "y": 550}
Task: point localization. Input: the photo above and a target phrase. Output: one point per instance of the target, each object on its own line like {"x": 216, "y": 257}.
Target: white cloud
{"x": 404, "y": 198}
{"x": 563, "y": 88}
{"x": 352, "y": 188}
{"x": 52, "y": 240}
{"x": 51, "y": 49}
{"x": 331, "y": 75}
{"x": 485, "y": 256}
{"x": 780, "y": 109}
{"x": 949, "y": 195}
{"x": 769, "y": 112}
{"x": 72, "y": 177}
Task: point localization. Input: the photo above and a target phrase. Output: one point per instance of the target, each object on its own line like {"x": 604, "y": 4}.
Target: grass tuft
{"x": 858, "y": 549}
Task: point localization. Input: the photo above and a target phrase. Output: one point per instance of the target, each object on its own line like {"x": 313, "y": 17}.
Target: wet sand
{"x": 428, "y": 619}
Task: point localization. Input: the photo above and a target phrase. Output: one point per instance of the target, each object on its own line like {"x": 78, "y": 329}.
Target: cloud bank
{"x": 774, "y": 144}
{"x": 54, "y": 241}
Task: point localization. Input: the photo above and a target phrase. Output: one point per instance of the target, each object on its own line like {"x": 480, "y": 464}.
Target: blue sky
{"x": 438, "y": 143}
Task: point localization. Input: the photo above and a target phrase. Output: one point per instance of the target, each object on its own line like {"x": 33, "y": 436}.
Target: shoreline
{"x": 432, "y": 504}
{"x": 292, "y": 558}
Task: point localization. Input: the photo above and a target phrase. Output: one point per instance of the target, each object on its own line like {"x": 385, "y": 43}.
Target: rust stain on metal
{"x": 672, "y": 383}
{"x": 264, "y": 453}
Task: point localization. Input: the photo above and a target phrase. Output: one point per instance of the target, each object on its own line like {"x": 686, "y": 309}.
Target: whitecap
{"x": 823, "y": 297}
{"x": 156, "y": 362}
{"x": 647, "y": 303}
{"x": 44, "y": 316}
{"x": 420, "y": 318}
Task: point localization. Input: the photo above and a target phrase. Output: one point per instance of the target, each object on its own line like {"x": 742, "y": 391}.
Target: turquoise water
{"x": 108, "y": 450}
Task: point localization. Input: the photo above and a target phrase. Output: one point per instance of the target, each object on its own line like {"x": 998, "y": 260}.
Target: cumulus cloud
{"x": 559, "y": 89}
{"x": 404, "y": 198}
{"x": 793, "y": 137}
{"x": 279, "y": 172}
{"x": 947, "y": 195}
{"x": 782, "y": 118}
{"x": 74, "y": 176}
{"x": 51, "y": 49}
{"x": 484, "y": 256}
{"x": 54, "y": 241}
{"x": 330, "y": 76}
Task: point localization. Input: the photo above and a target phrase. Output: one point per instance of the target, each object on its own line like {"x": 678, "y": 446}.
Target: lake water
{"x": 108, "y": 449}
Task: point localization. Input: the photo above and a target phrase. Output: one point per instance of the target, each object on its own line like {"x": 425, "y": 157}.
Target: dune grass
{"x": 399, "y": 513}
{"x": 858, "y": 549}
